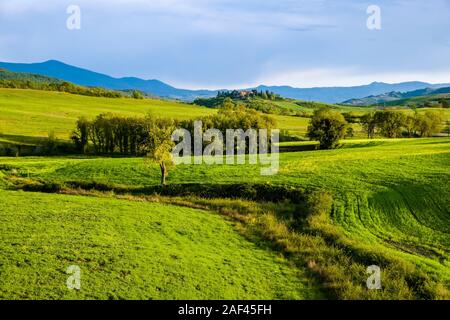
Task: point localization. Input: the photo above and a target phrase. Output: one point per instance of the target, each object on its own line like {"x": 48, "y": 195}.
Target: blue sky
{"x": 236, "y": 43}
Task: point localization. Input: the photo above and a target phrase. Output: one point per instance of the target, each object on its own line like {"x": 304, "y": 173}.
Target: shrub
{"x": 137, "y": 94}
{"x": 319, "y": 203}
{"x": 51, "y": 145}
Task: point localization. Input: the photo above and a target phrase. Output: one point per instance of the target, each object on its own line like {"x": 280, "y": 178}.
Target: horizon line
{"x": 232, "y": 87}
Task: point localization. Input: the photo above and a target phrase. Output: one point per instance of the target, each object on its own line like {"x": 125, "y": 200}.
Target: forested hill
{"x": 20, "y": 80}
{"x": 264, "y": 101}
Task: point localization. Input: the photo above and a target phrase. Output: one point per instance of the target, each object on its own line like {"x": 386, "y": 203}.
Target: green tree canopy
{"x": 327, "y": 127}
{"x": 159, "y": 144}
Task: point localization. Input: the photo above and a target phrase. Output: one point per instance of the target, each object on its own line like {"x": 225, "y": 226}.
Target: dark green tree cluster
{"x": 444, "y": 103}
{"x": 109, "y": 134}
{"x": 259, "y": 100}
{"x": 395, "y": 124}
{"x": 327, "y": 127}
{"x": 135, "y": 94}
{"x": 233, "y": 117}
{"x": 245, "y": 94}
{"x": 60, "y": 87}
{"x": 112, "y": 134}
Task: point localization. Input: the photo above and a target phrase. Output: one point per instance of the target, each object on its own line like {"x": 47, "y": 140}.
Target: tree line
{"x": 329, "y": 127}
{"x": 233, "y": 117}
{"x": 113, "y": 134}
{"x": 396, "y": 124}
{"x": 68, "y": 87}
{"x": 243, "y": 94}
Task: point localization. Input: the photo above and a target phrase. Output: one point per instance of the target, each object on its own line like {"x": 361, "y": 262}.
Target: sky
{"x": 215, "y": 44}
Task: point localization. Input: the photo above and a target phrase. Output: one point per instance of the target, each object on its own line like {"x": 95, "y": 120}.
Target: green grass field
{"x": 298, "y": 105}
{"x": 390, "y": 197}
{"x": 393, "y": 192}
{"x": 132, "y": 250}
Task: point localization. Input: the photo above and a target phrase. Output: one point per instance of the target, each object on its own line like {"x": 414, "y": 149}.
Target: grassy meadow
{"x": 390, "y": 207}
{"x": 133, "y": 250}
{"x": 27, "y": 115}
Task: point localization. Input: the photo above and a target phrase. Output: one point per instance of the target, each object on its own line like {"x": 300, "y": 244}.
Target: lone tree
{"x": 159, "y": 144}
{"x": 137, "y": 94}
{"x": 327, "y": 127}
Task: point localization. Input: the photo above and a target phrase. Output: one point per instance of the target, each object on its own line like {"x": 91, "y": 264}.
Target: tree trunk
{"x": 163, "y": 173}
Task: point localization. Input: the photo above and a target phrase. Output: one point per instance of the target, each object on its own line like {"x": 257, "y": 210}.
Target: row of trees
{"x": 436, "y": 103}
{"x": 233, "y": 117}
{"x": 60, "y": 87}
{"x": 395, "y": 124}
{"x": 108, "y": 134}
{"x": 261, "y": 105}
{"x": 328, "y": 127}
{"x": 243, "y": 94}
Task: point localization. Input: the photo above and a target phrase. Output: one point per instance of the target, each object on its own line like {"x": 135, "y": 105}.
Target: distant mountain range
{"x": 84, "y": 77}
{"x": 60, "y": 70}
{"x": 395, "y": 97}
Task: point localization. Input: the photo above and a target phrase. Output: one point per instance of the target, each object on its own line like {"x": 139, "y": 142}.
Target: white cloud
{"x": 12, "y": 7}
{"x": 235, "y": 43}
{"x": 211, "y": 15}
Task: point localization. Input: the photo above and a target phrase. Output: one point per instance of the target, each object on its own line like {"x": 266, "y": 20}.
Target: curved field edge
{"x": 133, "y": 250}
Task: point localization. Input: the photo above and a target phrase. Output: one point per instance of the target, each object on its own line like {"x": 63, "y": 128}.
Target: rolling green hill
{"x": 426, "y": 101}
{"x": 268, "y": 102}
{"x": 429, "y": 97}
{"x": 35, "y": 113}
{"x": 18, "y": 80}
{"x": 20, "y": 77}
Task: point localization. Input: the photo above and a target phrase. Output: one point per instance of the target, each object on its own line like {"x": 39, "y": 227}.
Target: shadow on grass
{"x": 23, "y": 140}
